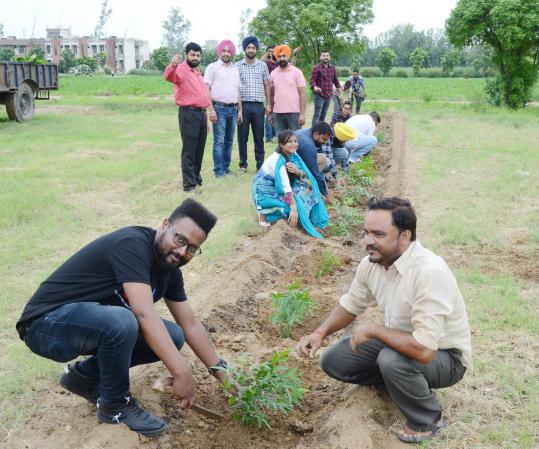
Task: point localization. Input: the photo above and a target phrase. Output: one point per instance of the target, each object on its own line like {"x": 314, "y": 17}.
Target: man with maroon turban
{"x": 223, "y": 80}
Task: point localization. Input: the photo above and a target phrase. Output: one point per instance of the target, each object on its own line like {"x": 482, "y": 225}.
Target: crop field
{"x": 104, "y": 153}
{"x": 421, "y": 89}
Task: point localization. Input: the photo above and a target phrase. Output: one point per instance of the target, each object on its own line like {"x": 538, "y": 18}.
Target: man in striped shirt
{"x": 255, "y": 91}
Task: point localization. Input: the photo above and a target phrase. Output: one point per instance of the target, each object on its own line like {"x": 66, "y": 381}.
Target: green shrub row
{"x": 430, "y": 72}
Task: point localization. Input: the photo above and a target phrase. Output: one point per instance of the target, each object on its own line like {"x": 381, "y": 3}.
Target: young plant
{"x": 328, "y": 263}
{"x": 257, "y": 389}
{"x": 346, "y": 220}
{"x": 290, "y": 308}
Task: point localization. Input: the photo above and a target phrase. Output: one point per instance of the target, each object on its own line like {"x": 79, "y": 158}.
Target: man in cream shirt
{"x": 425, "y": 341}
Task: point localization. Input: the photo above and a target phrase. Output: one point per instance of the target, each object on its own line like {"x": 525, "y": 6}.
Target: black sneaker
{"x": 77, "y": 383}
{"x": 133, "y": 416}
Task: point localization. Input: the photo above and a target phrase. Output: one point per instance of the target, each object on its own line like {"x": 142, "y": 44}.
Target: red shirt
{"x": 323, "y": 76}
{"x": 189, "y": 87}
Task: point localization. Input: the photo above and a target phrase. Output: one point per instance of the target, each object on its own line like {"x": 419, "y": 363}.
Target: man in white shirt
{"x": 223, "y": 80}
{"x": 365, "y": 125}
{"x": 425, "y": 340}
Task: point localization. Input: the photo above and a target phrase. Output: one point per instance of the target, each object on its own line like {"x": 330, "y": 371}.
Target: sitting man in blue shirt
{"x": 310, "y": 141}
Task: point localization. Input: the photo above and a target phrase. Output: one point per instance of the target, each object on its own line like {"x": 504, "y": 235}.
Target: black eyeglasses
{"x": 181, "y": 241}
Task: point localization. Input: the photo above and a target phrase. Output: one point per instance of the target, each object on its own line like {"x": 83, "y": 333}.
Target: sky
{"x": 210, "y": 19}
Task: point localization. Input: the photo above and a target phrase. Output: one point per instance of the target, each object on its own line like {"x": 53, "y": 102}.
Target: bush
{"x": 344, "y": 71}
{"x": 432, "y": 72}
{"x": 371, "y": 72}
{"x": 145, "y": 72}
{"x": 81, "y": 69}
{"x": 254, "y": 389}
{"x": 490, "y": 72}
{"x": 107, "y": 69}
{"x": 401, "y": 73}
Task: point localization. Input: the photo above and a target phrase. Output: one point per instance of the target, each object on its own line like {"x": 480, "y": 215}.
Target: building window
{"x": 137, "y": 64}
{"x": 94, "y": 49}
{"x": 121, "y": 49}
{"x": 101, "y": 48}
{"x": 48, "y": 49}
{"x": 74, "y": 49}
{"x": 22, "y": 49}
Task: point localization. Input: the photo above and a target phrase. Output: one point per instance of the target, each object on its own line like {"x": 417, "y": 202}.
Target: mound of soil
{"x": 234, "y": 304}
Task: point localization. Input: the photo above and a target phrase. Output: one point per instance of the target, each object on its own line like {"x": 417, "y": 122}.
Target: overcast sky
{"x": 210, "y": 19}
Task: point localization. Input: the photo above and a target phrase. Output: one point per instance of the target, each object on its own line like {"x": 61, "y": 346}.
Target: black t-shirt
{"x": 96, "y": 274}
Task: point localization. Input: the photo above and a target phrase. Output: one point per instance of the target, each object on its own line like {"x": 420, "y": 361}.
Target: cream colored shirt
{"x": 417, "y": 294}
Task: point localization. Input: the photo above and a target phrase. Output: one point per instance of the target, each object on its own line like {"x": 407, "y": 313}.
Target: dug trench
{"x": 233, "y": 300}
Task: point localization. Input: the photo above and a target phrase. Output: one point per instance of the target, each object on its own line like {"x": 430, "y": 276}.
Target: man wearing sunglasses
{"x": 100, "y": 304}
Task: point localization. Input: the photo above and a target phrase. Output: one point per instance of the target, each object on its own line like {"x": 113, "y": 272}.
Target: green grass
{"x": 155, "y": 87}
{"x": 476, "y": 190}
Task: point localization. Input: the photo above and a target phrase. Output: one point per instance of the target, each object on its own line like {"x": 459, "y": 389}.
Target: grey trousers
{"x": 407, "y": 381}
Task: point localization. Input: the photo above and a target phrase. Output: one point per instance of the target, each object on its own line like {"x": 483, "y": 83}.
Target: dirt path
{"x": 233, "y": 301}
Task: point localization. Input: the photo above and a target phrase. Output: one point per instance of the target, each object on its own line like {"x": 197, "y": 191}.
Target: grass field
{"x": 89, "y": 163}
{"x": 442, "y": 89}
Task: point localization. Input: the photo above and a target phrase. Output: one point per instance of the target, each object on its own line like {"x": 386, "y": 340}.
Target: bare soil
{"x": 233, "y": 300}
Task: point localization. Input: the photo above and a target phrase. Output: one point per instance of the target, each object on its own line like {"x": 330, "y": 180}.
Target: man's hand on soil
{"x": 309, "y": 344}
{"x": 183, "y": 389}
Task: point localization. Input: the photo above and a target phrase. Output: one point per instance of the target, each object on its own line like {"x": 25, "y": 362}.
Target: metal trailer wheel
{"x": 20, "y": 105}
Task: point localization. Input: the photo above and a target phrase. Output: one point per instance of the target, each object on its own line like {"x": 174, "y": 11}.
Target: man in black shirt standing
{"x": 100, "y": 303}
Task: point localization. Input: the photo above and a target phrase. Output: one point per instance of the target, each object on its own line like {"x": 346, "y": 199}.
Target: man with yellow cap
{"x": 288, "y": 96}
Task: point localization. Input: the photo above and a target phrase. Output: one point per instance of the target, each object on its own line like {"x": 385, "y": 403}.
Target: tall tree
{"x": 314, "y": 24}
{"x": 511, "y": 28}
{"x": 103, "y": 17}
{"x": 245, "y": 18}
{"x": 176, "y": 28}
{"x": 386, "y": 60}
{"x": 68, "y": 60}
{"x": 418, "y": 58}
{"x": 159, "y": 59}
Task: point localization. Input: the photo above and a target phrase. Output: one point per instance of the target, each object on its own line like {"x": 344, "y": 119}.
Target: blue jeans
{"x": 110, "y": 334}
{"x": 358, "y": 101}
{"x": 321, "y": 106}
{"x": 270, "y": 130}
{"x": 253, "y": 117}
{"x": 223, "y": 138}
{"x": 360, "y": 147}
{"x": 340, "y": 156}
{"x": 285, "y": 120}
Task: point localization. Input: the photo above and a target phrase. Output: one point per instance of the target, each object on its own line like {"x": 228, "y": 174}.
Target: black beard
{"x": 161, "y": 258}
{"x": 250, "y": 55}
{"x": 193, "y": 64}
{"x": 283, "y": 63}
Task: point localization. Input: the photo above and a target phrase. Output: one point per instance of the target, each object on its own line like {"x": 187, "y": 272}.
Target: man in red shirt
{"x": 192, "y": 97}
{"x": 323, "y": 77}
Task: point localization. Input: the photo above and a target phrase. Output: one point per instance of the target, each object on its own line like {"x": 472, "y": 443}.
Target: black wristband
{"x": 221, "y": 366}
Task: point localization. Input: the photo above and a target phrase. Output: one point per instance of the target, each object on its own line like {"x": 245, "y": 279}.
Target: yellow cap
{"x": 344, "y": 132}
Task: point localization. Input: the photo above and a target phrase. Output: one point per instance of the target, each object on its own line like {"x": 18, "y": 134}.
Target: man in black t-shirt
{"x": 100, "y": 303}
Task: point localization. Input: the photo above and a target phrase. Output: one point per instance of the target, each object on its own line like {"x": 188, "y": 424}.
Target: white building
{"x": 123, "y": 55}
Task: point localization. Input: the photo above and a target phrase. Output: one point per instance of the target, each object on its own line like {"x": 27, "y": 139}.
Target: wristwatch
{"x": 221, "y": 366}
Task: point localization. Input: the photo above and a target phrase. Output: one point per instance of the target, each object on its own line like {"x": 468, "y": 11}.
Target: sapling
{"x": 291, "y": 307}
{"x": 255, "y": 389}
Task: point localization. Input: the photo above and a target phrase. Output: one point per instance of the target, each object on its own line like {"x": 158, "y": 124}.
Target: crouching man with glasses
{"x": 100, "y": 304}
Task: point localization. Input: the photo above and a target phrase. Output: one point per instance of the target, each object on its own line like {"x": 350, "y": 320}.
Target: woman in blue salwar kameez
{"x": 284, "y": 188}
